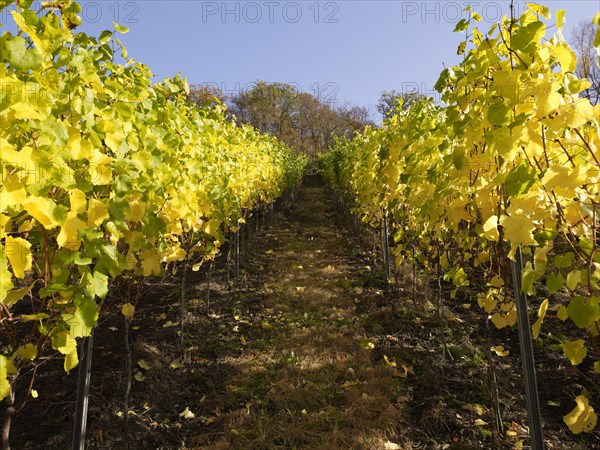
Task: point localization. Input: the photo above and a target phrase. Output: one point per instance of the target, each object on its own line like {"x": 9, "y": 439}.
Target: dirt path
{"x": 306, "y": 379}
{"x": 280, "y": 359}
{"x": 307, "y": 350}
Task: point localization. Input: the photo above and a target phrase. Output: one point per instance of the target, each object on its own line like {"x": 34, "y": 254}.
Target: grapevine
{"x": 106, "y": 176}
{"x": 510, "y": 160}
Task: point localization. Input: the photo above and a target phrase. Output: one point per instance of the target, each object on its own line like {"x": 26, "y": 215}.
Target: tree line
{"x": 297, "y": 118}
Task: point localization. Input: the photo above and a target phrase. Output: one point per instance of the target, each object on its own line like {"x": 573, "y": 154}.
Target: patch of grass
{"x": 371, "y": 324}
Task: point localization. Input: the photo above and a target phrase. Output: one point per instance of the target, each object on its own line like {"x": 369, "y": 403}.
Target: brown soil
{"x": 309, "y": 349}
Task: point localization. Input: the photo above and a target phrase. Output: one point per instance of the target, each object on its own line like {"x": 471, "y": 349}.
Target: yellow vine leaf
{"x": 78, "y": 200}
{"x": 560, "y": 19}
{"x": 575, "y": 351}
{"x": 68, "y": 231}
{"x": 508, "y": 319}
{"x": 25, "y": 226}
{"x": 18, "y": 252}
{"x": 27, "y": 351}
{"x": 13, "y": 296}
{"x": 548, "y": 98}
{"x": 21, "y": 160}
{"x": 573, "y": 279}
{"x": 114, "y": 134}
{"x": 100, "y": 170}
{"x": 518, "y": 229}
{"x": 42, "y": 210}
{"x": 496, "y": 282}
{"x": 41, "y": 44}
{"x": 490, "y": 229}
{"x": 579, "y": 113}
{"x": 582, "y": 418}
{"x": 151, "y": 263}
{"x": 71, "y": 361}
{"x": 6, "y": 283}
{"x": 212, "y": 228}
{"x": 128, "y": 310}
{"x": 566, "y": 57}
{"x": 5, "y": 225}
{"x": 136, "y": 208}
{"x": 64, "y": 342}
{"x": 536, "y": 8}
{"x": 6, "y": 368}
{"x": 175, "y": 253}
{"x": 562, "y": 313}
{"x": 565, "y": 178}
{"x": 535, "y": 328}
{"x": 97, "y": 213}
{"x": 13, "y": 192}
{"x": 24, "y": 110}
{"x": 488, "y": 301}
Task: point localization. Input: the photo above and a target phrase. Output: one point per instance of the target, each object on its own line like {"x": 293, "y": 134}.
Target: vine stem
{"x": 128, "y": 376}
{"x": 8, "y": 415}
{"x": 209, "y": 277}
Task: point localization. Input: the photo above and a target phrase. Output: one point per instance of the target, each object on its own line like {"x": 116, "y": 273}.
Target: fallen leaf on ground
{"x": 143, "y": 364}
{"x": 500, "y": 351}
{"x": 349, "y": 384}
{"x": 365, "y": 343}
{"x": 516, "y": 430}
{"x": 403, "y": 371}
{"x": 175, "y": 365}
{"x": 187, "y": 414}
{"x": 473, "y": 407}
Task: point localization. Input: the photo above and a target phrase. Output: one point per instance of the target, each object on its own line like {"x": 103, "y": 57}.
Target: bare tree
{"x": 582, "y": 37}
{"x": 296, "y": 118}
{"x": 354, "y": 119}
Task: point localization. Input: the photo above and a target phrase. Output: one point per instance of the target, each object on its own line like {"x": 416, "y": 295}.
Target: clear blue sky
{"x": 344, "y": 51}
